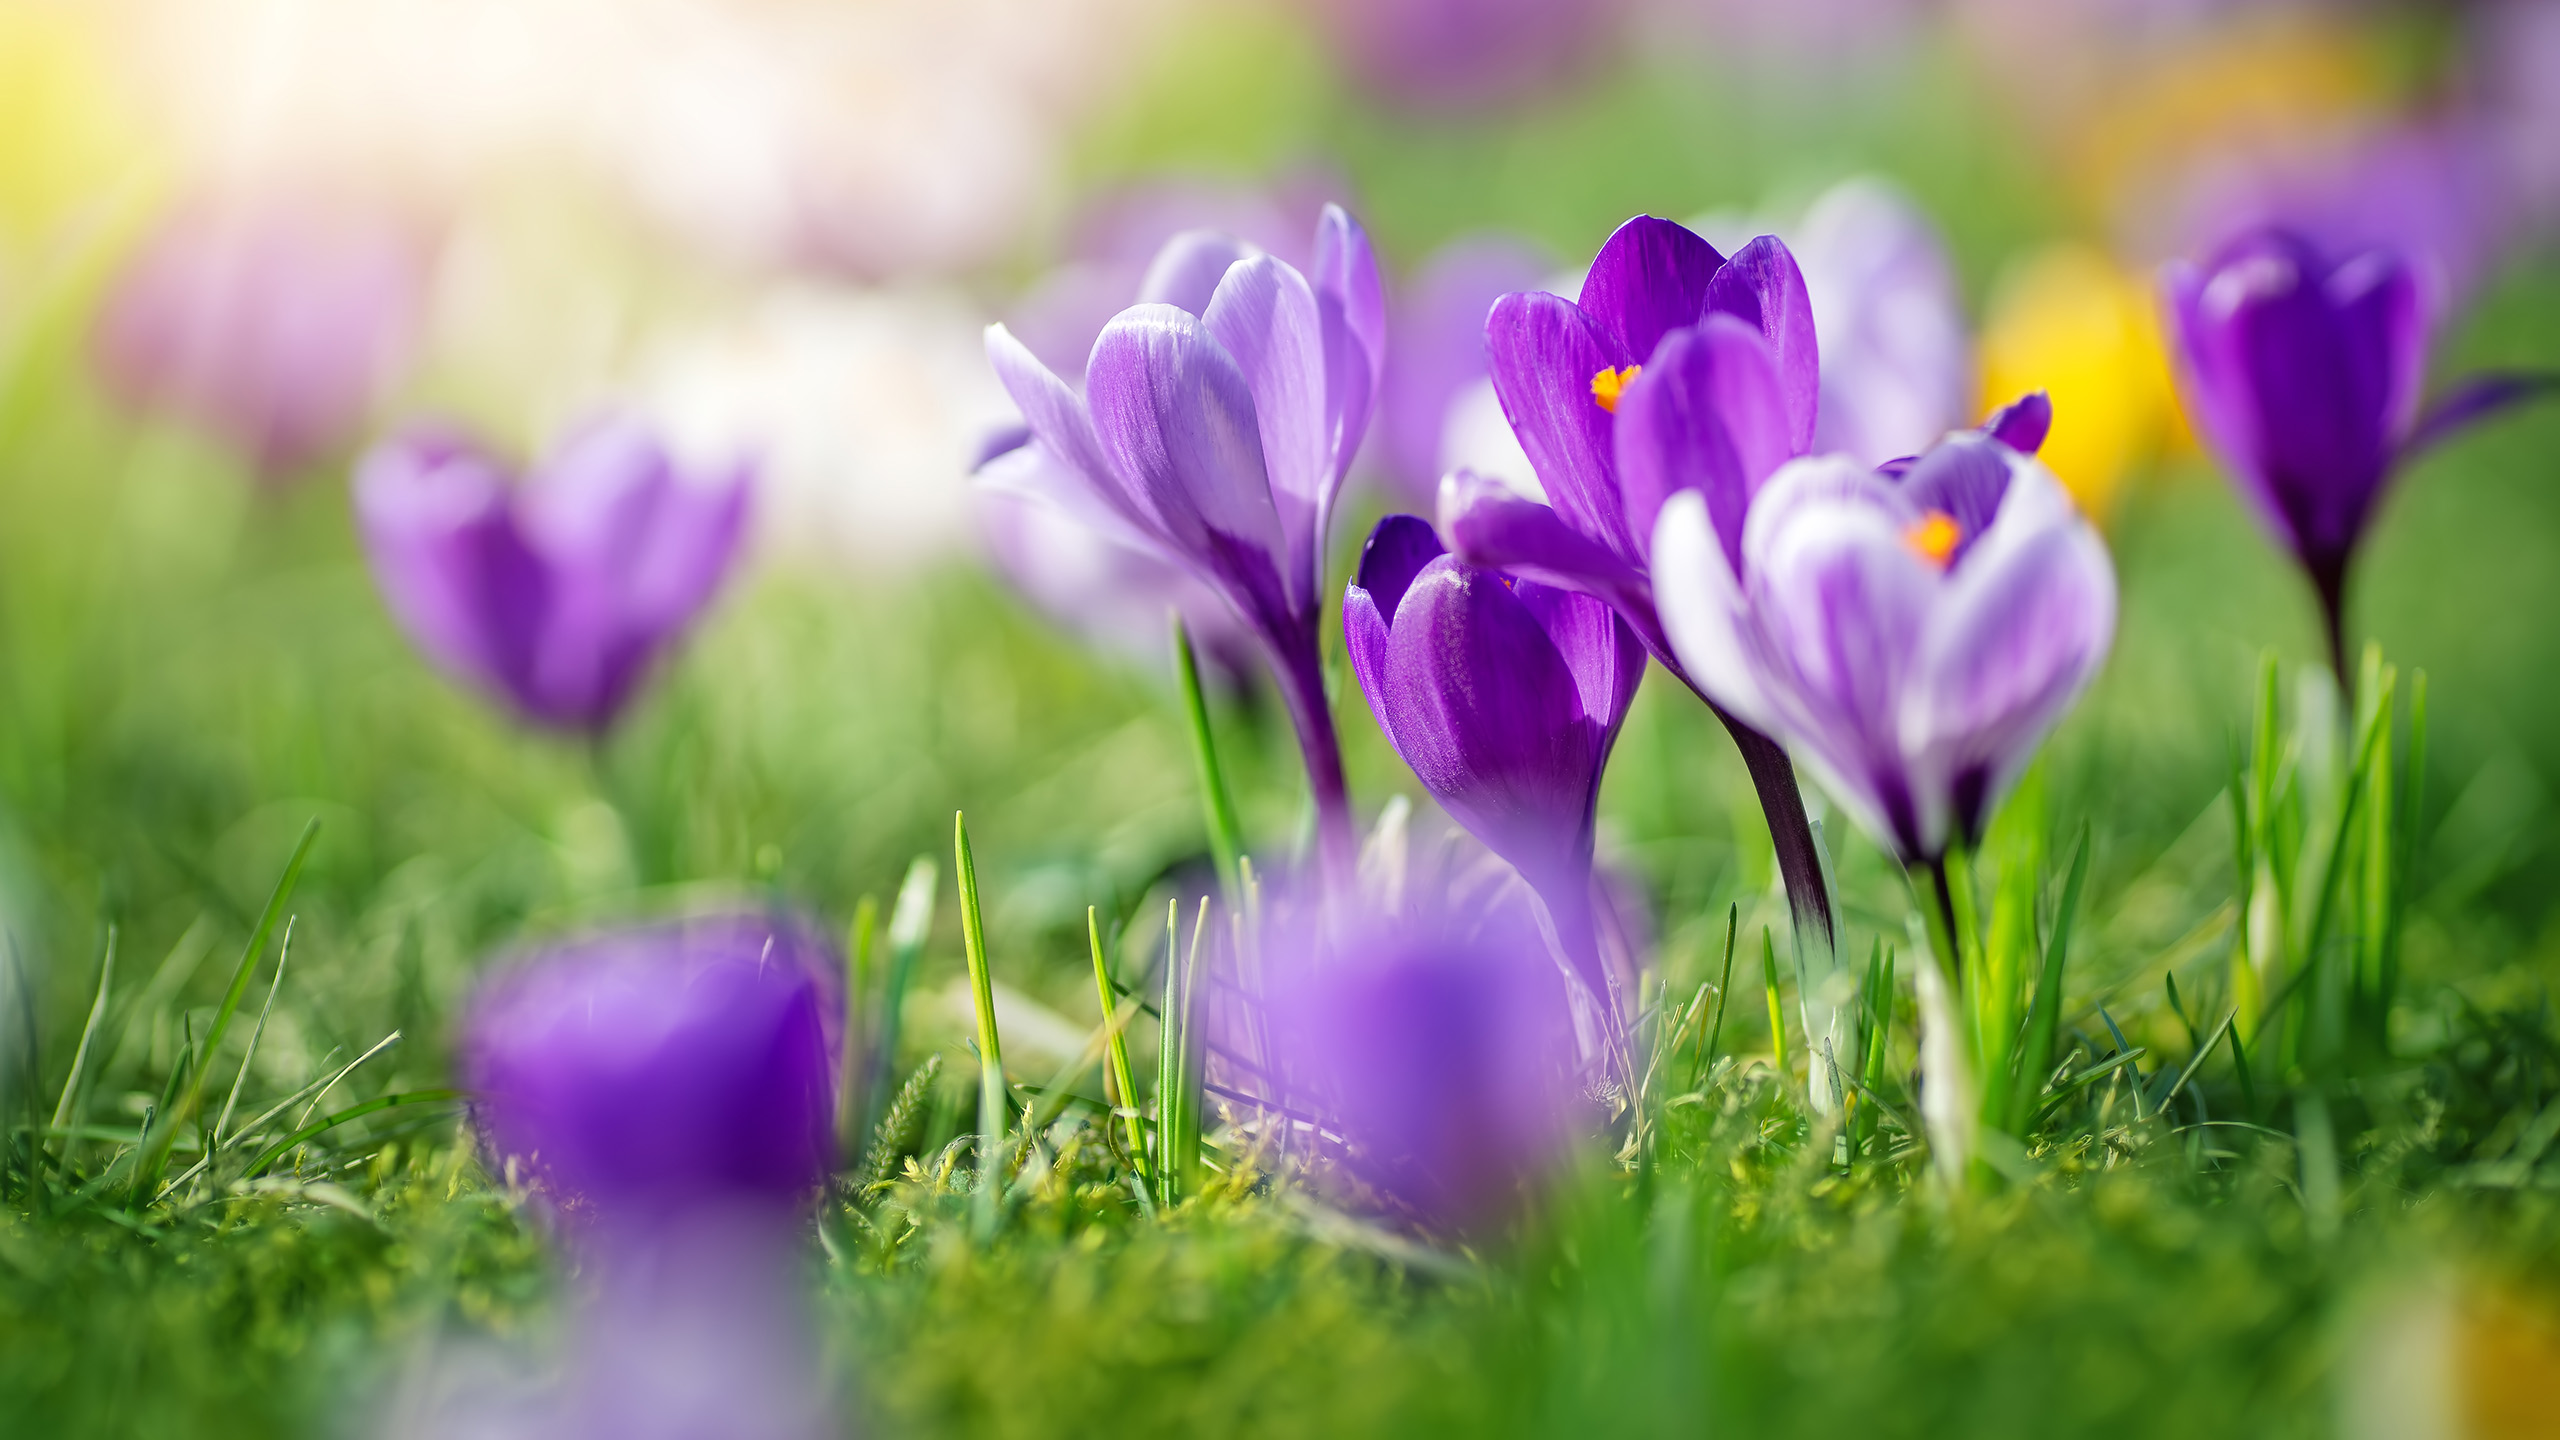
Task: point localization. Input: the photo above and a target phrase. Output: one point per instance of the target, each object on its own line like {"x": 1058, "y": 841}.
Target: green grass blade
{"x": 1777, "y": 1013}
{"x": 910, "y": 925}
{"x": 992, "y": 1102}
{"x": 155, "y": 1150}
{"x": 860, "y": 938}
{"x": 1226, "y": 835}
{"x": 1121, "y": 1079}
{"x": 310, "y": 1132}
{"x": 1724, "y": 988}
{"x": 2044, "y": 1013}
{"x": 69, "y": 1101}
{"x": 257, "y": 1033}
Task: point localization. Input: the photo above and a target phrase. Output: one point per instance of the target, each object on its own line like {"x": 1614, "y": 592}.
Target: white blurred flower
{"x": 864, "y": 410}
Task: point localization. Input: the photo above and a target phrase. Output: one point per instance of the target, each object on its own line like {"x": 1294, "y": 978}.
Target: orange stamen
{"x": 1609, "y": 384}
{"x": 1934, "y": 537}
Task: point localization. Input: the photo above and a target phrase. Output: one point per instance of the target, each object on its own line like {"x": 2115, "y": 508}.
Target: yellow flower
{"x": 2071, "y": 322}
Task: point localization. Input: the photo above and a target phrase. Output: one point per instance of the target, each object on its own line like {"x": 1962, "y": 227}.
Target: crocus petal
{"x": 1396, "y": 552}
{"x": 1708, "y": 414}
{"x": 457, "y": 576}
{"x": 1061, "y": 423}
{"x": 1762, "y": 287}
{"x": 1176, "y": 418}
{"x": 1265, "y": 316}
{"x": 1186, "y": 272}
{"x": 1486, "y": 524}
{"x": 2471, "y": 401}
{"x": 2023, "y": 423}
{"x": 1600, "y": 649}
{"x": 1651, "y": 277}
{"x": 1963, "y": 478}
{"x": 2022, "y": 627}
{"x": 1354, "y": 308}
{"x": 1544, "y": 351}
{"x": 1702, "y": 609}
{"x": 1490, "y": 718}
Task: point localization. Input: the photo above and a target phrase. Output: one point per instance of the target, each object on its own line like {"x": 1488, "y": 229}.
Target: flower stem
{"x": 1799, "y": 863}
{"x": 1301, "y": 679}
{"x": 2329, "y": 578}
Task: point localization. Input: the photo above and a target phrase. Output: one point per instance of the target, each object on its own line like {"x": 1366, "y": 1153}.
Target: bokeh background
{"x": 241, "y": 238}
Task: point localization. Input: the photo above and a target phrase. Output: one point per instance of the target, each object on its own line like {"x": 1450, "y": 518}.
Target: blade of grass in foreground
{"x": 910, "y": 923}
{"x": 1226, "y": 836}
{"x": 1121, "y": 1079}
{"x": 991, "y": 1092}
{"x": 69, "y": 1102}
{"x": 155, "y": 1148}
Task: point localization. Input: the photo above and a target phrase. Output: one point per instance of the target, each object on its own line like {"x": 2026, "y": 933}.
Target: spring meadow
{"x": 754, "y": 719}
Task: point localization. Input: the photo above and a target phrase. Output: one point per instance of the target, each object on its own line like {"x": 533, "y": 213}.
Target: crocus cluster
{"x": 2303, "y": 369}
{"x": 669, "y": 1091}
{"x": 1217, "y": 420}
{"x": 1504, "y": 695}
{"x": 275, "y": 322}
{"x": 557, "y": 592}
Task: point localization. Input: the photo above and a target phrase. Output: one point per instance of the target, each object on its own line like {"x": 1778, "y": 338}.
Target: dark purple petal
{"x": 1478, "y": 701}
{"x": 1762, "y": 287}
{"x": 2023, "y": 423}
{"x": 1486, "y": 524}
{"x": 662, "y": 1068}
{"x": 1176, "y": 419}
{"x": 1396, "y": 552}
{"x": 1439, "y": 324}
{"x": 1650, "y": 278}
{"x": 1545, "y": 352}
{"x": 1602, "y": 652}
{"x": 1708, "y": 414}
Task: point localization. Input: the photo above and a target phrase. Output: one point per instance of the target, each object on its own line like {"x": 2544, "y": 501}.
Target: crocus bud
{"x": 663, "y": 1068}
{"x": 2303, "y": 371}
{"x": 1911, "y": 634}
{"x": 273, "y": 322}
{"x": 1445, "y": 1062}
{"x": 1505, "y": 696}
{"x": 554, "y": 594}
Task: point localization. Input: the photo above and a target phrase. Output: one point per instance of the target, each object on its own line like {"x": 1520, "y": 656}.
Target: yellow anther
{"x": 1609, "y": 384}
{"x": 1934, "y": 537}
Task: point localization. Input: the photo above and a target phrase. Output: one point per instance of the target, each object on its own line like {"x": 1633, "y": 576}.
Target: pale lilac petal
{"x": 1701, "y": 604}
{"x": 1545, "y": 352}
{"x": 1708, "y": 414}
{"x": 1762, "y": 287}
{"x": 1176, "y": 417}
{"x": 1889, "y": 315}
{"x": 1061, "y": 422}
{"x": 1186, "y": 272}
{"x": 1650, "y": 278}
{"x": 1266, "y": 318}
{"x": 1354, "y": 307}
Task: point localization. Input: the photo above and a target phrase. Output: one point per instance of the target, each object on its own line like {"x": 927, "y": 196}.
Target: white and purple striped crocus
{"x": 669, "y": 1090}
{"x": 1217, "y": 420}
{"x": 555, "y": 593}
{"x": 1504, "y": 695}
{"x": 1911, "y": 632}
{"x": 2303, "y": 369}
{"x": 1581, "y": 382}
{"x": 1444, "y": 1060}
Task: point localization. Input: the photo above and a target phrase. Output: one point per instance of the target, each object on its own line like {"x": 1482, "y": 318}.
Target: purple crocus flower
{"x": 1505, "y": 696}
{"x": 671, "y": 1087}
{"x": 1911, "y": 632}
{"x": 1676, "y": 370}
{"x": 274, "y": 322}
{"x": 2303, "y": 370}
{"x": 1217, "y": 419}
{"x": 663, "y": 1068}
{"x": 1445, "y": 1064}
{"x": 1439, "y": 359}
{"x": 555, "y": 594}
{"x": 1463, "y": 53}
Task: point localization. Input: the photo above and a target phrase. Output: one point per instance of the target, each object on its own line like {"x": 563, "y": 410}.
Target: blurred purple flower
{"x": 558, "y": 593}
{"x": 1889, "y": 317}
{"x": 663, "y": 1069}
{"x": 1912, "y": 633}
{"x": 274, "y": 322}
{"x": 1676, "y": 370}
{"x": 1505, "y": 696}
{"x": 672, "y": 1087}
{"x": 1439, "y": 354}
{"x": 1082, "y": 565}
{"x": 1447, "y": 1065}
{"x": 1217, "y": 420}
{"x": 1465, "y": 53}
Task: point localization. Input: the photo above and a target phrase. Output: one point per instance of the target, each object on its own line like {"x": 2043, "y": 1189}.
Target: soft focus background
{"x": 241, "y": 238}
